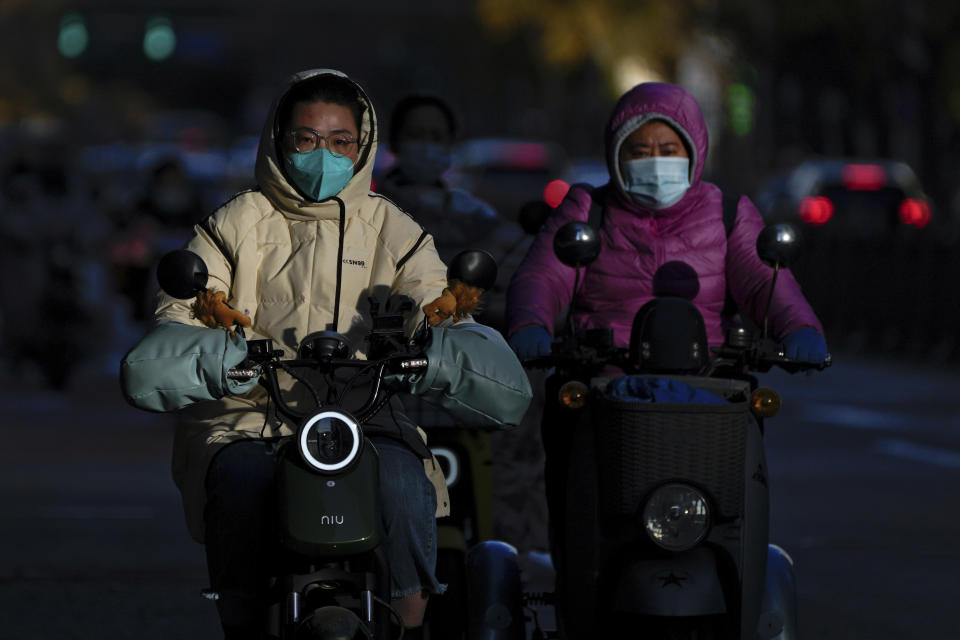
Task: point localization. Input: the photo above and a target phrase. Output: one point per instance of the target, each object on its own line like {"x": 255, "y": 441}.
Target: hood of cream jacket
{"x": 295, "y": 267}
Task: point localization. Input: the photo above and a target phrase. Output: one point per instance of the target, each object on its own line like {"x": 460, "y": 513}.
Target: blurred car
{"x": 862, "y": 198}
{"x": 592, "y": 171}
{"x": 507, "y": 173}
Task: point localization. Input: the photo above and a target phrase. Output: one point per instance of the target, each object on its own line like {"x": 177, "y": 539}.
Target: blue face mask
{"x": 320, "y": 173}
{"x": 657, "y": 182}
{"x": 423, "y": 162}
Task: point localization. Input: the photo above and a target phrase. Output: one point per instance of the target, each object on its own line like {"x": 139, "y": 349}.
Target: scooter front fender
{"x": 494, "y": 593}
{"x": 685, "y": 584}
{"x": 779, "y": 618}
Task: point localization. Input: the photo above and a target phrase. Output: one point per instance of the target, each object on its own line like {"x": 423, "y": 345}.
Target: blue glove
{"x": 806, "y": 345}
{"x": 531, "y": 342}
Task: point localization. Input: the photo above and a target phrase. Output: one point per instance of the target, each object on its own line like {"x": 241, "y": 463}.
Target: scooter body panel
{"x": 330, "y": 516}
{"x": 718, "y": 449}
{"x": 683, "y": 584}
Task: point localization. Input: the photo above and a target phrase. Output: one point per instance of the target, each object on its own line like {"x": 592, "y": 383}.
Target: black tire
{"x": 577, "y": 570}
{"x": 696, "y": 628}
{"x": 447, "y": 613}
{"x": 494, "y": 593}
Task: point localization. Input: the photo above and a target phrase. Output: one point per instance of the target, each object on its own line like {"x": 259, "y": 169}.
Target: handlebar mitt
{"x": 531, "y": 342}
{"x": 175, "y": 365}
{"x": 474, "y": 375}
{"x": 806, "y": 345}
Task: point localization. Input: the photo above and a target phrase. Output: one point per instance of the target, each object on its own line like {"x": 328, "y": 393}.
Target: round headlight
{"x": 330, "y": 441}
{"x": 676, "y": 517}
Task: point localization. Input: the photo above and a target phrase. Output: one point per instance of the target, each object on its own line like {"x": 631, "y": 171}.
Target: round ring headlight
{"x": 329, "y": 441}
{"x": 676, "y": 517}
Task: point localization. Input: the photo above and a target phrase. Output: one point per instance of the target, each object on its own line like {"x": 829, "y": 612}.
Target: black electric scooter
{"x": 332, "y": 580}
{"x": 660, "y": 515}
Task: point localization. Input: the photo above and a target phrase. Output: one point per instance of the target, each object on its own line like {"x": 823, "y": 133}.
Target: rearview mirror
{"x": 182, "y": 274}
{"x": 474, "y": 267}
{"x": 778, "y": 245}
{"x": 576, "y": 244}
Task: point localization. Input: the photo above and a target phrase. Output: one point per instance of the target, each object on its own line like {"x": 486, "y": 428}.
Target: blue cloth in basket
{"x": 647, "y": 389}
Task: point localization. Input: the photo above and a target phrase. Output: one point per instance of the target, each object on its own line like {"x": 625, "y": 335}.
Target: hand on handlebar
{"x": 805, "y": 345}
{"x": 530, "y": 343}
{"x": 211, "y": 309}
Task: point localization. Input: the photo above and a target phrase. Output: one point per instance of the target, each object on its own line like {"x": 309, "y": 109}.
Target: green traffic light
{"x": 740, "y": 104}
{"x": 73, "y": 37}
{"x": 159, "y": 38}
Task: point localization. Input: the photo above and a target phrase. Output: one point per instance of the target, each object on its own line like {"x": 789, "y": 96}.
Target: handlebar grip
{"x": 243, "y": 374}
{"x": 790, "y": 365}
{"x": 413, "y": 364}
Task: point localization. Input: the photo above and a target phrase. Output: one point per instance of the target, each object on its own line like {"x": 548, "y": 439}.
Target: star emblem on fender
{"x": 671, "y": 578}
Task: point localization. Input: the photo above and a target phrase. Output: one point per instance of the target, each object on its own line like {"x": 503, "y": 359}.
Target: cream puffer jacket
{"x": 295, "y": 267}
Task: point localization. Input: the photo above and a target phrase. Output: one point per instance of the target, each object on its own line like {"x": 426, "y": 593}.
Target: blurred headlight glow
{"x": 676, "y": 517}
{"x": 573, "y": 394}
{"x": 765, "y": 402}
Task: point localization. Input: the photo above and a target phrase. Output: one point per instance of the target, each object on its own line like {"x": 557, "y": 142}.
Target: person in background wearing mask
{"x": 423, "y": 129}
{"x": 655, "y": 210}
{"x": 422, "y": 132}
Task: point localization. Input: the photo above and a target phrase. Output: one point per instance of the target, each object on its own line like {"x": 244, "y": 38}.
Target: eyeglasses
{"x": 306, "y": 139}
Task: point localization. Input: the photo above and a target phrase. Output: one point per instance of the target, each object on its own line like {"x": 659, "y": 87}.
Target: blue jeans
{"x": 241, "y": 532}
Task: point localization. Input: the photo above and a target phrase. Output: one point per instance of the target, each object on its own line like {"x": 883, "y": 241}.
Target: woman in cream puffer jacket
{"x": 297, "y": 260}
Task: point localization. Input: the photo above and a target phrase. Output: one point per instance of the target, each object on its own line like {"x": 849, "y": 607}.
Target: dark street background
{"x": 108, "y": 108}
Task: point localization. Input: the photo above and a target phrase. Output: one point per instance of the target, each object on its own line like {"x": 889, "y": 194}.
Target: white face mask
{"x": 657, "y": 182}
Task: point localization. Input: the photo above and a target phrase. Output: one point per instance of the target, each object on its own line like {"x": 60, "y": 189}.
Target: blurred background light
{"x": 159, "y": 38}
{"x": 631, "y": 71}
{"x": 73, "y": 37}
{"x": 555, "y": 192}
{"x": 740, "y": 104}
{"x": 816, "y": 210}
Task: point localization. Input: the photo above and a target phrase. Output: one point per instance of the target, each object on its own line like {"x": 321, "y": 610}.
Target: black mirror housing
{"x": 182, "y": 274}
{"x": 473, "y": 267}
{"x": 576, "y": 244}
{"x": 779, "y": 245}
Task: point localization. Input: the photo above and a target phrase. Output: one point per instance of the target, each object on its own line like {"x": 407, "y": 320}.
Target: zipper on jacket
{"x": 336, "y": 299}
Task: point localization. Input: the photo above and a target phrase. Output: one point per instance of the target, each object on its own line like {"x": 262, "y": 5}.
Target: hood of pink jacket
{"x": 656, "y": 101}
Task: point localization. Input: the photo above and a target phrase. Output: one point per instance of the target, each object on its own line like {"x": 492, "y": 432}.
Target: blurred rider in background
{"x": 423, "y": 129}
{"x": 422, "y": 133}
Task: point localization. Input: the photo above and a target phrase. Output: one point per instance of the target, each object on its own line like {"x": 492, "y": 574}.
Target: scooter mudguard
{"x": 779, "y": 618}
{"x": 494, "y": 593}
{"x": 685, "y": 584}
{"x": 330, "y": 515}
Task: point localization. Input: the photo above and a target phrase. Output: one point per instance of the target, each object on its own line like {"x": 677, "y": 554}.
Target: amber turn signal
{"x": 765, "y": 402}
{"x": 573, "y": 394}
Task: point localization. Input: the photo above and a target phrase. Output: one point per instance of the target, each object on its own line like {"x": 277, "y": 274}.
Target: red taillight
{"x": 915, "y": 212}
{"x": 555, "y": 192}
{"x": 816, "y": 210}
{"x": 864, "y": 177}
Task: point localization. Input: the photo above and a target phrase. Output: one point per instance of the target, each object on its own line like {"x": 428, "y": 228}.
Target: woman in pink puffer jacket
{"x": 656, "y": 210}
